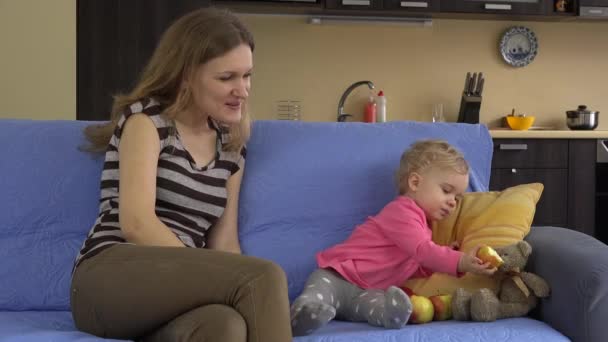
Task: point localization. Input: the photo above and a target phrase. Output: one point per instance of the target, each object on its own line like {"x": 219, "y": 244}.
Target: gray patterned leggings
{"x": 327, "y": 296}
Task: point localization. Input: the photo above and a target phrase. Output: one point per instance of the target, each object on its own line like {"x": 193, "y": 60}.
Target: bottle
{"x": 381, "y": 107}
{"x": 370, "y": 110}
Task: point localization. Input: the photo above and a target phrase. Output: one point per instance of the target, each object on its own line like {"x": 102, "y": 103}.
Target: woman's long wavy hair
{"x": 192, "y": 40}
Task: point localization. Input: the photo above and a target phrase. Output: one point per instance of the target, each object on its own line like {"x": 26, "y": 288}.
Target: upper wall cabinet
{"x": 426, "y": 6}
{"x": 542, "y": 10}
{"x": 353, "y": 4}
{"x": 272, "y": 6}
{"x": 519, "y": 7}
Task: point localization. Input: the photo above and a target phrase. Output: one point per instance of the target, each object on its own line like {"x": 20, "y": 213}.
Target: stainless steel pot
{"x": 582, "y": 119}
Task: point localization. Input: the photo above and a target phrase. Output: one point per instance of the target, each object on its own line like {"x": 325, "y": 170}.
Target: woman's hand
{"x": 470, "y": 263}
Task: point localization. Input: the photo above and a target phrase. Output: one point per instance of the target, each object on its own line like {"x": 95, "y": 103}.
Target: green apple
{"x": 422, "y": 310}
{"x": 442, "y": 304}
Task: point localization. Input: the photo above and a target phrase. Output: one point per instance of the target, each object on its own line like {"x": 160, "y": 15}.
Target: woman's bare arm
{"x": 138, "y": 157}
{"x": 224, "y": 234}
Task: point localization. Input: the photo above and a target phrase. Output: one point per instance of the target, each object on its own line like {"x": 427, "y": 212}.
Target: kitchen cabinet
{"x": 594, "y": 8}
{"x": 115, "y": 38}
{"x": 273, "y": 6}
{"x": 507, "y": 7}
{"x": 353, "y": 4}
{"x": 426, "y": 6}
{"x": 566, "y": 167}
{"x": 537, "y": 10}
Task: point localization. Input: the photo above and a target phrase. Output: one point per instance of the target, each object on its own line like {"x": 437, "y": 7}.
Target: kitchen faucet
{"x": 341, "y": 115}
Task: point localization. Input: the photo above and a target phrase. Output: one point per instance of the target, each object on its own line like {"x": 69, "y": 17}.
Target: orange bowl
{"x": 520, "y": 123}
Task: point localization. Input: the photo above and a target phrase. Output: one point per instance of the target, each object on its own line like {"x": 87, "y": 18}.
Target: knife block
{"x": 469, "y": 109}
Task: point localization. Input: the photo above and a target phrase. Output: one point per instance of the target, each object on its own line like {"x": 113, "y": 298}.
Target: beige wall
{"x": 417, "y": 67}
{"x": 38, "y": 59}
{"x": 414, "y": 66}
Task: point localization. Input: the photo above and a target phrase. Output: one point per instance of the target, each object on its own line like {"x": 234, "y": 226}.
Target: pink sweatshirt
{"x": 389, "y": 248}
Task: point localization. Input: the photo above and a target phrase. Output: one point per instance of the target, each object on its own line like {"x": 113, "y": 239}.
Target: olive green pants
{"x": 180, "y": 294}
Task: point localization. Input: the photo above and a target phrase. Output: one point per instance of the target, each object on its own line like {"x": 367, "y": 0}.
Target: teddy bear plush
{"x": 518, "y": 291}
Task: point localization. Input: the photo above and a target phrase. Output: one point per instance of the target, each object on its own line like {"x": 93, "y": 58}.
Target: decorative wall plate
{"x": 518, "y": 46}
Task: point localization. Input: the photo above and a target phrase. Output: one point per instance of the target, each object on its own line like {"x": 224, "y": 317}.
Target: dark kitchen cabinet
{"x": 425, "y": 6}
{"x": 594, "y": 8}
{"x": 354, "y": 4}
{"x": 566, "y": 167}
{"x": 115, "y": 39}
{"x": 537, "y": 10}
{"x": 516, "y": 7}
{"x": 272, "y": 6}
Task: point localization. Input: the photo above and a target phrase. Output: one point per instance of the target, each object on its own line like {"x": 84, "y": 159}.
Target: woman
{"x": 162, "y": 261}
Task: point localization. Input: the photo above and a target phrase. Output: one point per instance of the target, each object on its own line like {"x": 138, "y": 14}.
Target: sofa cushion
{"x": 494, "y": 218}
{"x": 51, "y": 326}
{"x": 58, "y": 326}
{"x": 514, "y": 329}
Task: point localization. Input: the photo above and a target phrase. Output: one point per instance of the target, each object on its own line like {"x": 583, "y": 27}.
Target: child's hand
{"x": 472, "y": 264}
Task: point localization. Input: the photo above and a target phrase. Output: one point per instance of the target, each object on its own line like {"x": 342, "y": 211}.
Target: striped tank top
{"x": 189, "y": 199}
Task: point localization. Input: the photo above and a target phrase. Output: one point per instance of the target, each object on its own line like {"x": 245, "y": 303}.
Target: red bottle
{"x": 370, "y": 110}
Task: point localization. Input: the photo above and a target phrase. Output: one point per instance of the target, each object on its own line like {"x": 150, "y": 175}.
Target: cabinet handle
{"x": 513, "y": 170}
{"x": 356, "y": 2}
{"x": 502, "y": 7}
{"x": 513, "y": 147}
{"x": 417, "y": 4}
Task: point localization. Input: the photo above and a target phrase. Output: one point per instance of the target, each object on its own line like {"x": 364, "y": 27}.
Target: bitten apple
{"x": 422, "y": 310}
{"x": 488, "y": 254}
{"x": 442, "y": 305}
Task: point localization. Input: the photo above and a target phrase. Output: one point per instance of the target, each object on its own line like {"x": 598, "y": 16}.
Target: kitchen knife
{"x": 472, "y": 84}
{"x": 480, "y": 86}
{"x": 478, "y": 82}
{"x": 467, "y": 81}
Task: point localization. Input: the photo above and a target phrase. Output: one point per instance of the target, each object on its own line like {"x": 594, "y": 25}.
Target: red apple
{"x": 422, "y": 310}
{"x": 407, "y": 291}
{"x": 442, "y": 304}
{"x": 488, "y": 254}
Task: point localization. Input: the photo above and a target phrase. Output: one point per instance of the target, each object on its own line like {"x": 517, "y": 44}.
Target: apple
{"x": 442, "y": 305}
{"x": 422, "y": 310}
{"x": 488, "y": 254}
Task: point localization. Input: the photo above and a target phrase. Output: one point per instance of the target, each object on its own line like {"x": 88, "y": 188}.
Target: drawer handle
{"x": 513, "y": 147}
{"x": 357, "y": 2}
{"x": 417, "y": 4}
{"x": 513, "y": 170}
{"x": 501, "y": 7}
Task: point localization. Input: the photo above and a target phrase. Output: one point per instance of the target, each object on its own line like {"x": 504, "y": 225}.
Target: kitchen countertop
{"x": 547, "y": 134}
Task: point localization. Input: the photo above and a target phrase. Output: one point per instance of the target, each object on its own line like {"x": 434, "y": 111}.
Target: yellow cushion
{"x": 495, "y": 218}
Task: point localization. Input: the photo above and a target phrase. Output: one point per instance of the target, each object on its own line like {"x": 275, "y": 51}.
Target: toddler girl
{"x": 357, "y": 280}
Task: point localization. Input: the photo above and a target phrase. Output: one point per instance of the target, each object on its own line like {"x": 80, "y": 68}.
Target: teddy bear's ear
{"x": 525, "y": 248}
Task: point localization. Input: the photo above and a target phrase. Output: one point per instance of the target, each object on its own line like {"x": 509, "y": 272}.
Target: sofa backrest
{"x": 49, "y": 192}
{"x": 306, "y": 186}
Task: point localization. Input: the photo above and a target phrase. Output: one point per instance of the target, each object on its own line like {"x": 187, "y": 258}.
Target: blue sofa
{"x": 306, "y": 186}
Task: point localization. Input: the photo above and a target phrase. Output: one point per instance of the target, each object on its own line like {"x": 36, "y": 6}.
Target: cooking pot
{"x": 582, "y": 118}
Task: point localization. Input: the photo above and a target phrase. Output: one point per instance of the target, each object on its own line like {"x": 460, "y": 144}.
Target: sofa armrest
{"x": 576, "y": 267}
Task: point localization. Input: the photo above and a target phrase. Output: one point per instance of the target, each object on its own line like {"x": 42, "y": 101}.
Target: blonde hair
{"x": 192, "y": 40}
{"x": 426, "y": 154}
